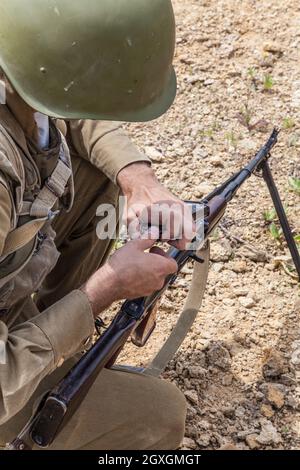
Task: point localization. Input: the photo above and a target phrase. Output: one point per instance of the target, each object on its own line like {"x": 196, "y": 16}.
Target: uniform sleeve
{"x": 32, "y": 350}
{"x": 105, "y": 144}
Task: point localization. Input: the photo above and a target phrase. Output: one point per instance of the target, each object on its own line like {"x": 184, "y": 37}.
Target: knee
{"x": 170, "y": 419}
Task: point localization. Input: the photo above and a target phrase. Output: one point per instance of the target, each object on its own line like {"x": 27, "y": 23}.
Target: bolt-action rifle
{"x": 136, "y": 318}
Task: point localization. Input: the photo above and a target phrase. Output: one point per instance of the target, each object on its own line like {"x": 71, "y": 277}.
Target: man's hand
{"x": 150, "y": 203}
{"x": 129, "y": 273}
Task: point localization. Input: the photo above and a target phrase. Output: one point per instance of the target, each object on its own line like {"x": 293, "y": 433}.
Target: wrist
{"x": 136, "y": 172}
{"x": 101, "y": 290}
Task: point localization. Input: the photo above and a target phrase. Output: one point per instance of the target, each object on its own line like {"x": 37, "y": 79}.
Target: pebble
{"x": 239, "y": 266}
{"x": 217, "y": 162}
{"x": 275, "y": 396}
{"x": 228, "y": 446}
{"x": 154, "y": 154}
{"x": 273, "y": 364}
{"x": 227, "y": 380}
{"x": 197, "y": 372}
{"x": 268, "y": 435}
{"x": 203, "y": 189}
{"x": 251, "y": 441}
{"x": 247, "y": 302}
{"x": 267, "y": 411}
{"x": 204, "y": 440}
{"x": 189, "y": 443}
{"x": 221, "y": 251}
{"x": 218, "y": 356}
{"x": 192, "y": 396}
{"x": 295, "y": 359}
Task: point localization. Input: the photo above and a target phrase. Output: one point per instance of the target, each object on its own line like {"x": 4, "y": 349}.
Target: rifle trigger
{"x": 197, "y": 259}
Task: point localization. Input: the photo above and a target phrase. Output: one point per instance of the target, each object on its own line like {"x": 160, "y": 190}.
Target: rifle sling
{"x": 186, "y": 318}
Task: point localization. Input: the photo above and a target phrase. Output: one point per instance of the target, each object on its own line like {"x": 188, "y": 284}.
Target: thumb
{"x": 148, "y": 239}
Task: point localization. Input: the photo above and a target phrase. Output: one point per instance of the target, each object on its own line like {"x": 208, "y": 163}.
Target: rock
{"x": 192, "y": 79}
{"x": 243, "y": 434}
{"x": 287, "y": 379}
{"x": 291, "y": 402}
{"x": 267, "y": 410}
{"x": 189, "y": 443}
{"x": 192, "y": 396}
{"x": 200, "y": 152}
{"x": 275, "y": 396}
{"x": 203, "y": 190}
{"x": 241, "y": 292}
{"x": 268, "y": 434}
{"x": 240, "y": 412}
{"x": 252, "y": 442}
{"x": 273, "y": 48}
{"x": 218, "y": 356}
{"x": 239, "y": 266}
{"x": 204, "y": 440}
{"x": 154, "y": 154}
{"x": 228, "y": 446}
{"x": 217, "y": 162}
{"x": 217, "y": 267}
{"x": 205, "y": 424}
{"x": 221, "y": 251}
{"x": 247, "y": 302}
{"x": 197, "y": 372}
{"x": 229, "y": 413}
{"x": 273, "y": 364}
{"x": 209, "y": 81}
{"x": 227, "y": 380}
{"x": 248, "y": 145}
{"x": 295, "y": 359}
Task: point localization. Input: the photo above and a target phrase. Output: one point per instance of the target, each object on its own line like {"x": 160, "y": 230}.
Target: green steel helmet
{"x": 90, "y": 59}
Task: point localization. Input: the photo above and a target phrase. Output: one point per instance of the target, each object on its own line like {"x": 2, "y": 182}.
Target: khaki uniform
{"x": 41, "y": 337}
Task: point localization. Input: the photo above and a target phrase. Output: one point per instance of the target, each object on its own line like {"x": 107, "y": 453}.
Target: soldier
{"x": 72, "y": 70}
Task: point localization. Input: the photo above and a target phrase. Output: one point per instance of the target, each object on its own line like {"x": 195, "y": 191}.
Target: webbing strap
{"x": 53, "y": 189}
{"x": 186, "y": 318}
{"x": 19, "y": 237}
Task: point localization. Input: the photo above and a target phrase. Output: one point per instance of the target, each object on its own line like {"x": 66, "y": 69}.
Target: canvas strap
{"x": 186, "y": 318}
{"x": 41, "y": 208}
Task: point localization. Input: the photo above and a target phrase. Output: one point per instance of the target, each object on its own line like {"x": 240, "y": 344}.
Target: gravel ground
{"x": 238, "y": 76}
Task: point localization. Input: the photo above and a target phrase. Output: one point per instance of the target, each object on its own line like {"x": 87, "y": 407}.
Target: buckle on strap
{"x": 54, "y": 187}
{"x": 57, "y": 182}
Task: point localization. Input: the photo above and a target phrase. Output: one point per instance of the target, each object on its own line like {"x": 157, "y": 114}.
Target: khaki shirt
{"x": 35, "y": 348}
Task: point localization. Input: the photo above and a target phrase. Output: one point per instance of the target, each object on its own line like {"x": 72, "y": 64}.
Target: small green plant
{"x": 251, "y": 72}
{"x": 216, "y": 234}
{"x": 294, "y": 184}
{"x": 275, "y": 232}
{"x": 268, "y": 82}
{"x": 209, "y": 133}
{"x": 288, "y": 123}
{"x": 232, "y": 139}
{"x": 270, "y": 215}
{"x": 246, "y": 116}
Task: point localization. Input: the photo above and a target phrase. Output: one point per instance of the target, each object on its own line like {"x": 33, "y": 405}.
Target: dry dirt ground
{"x": 238, "y": 71}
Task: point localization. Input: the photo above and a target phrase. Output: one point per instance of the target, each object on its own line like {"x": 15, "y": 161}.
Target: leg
{"x": 122, "y": 411}
{"x": 125, "y": 411}
{"x": 82, "y": 252}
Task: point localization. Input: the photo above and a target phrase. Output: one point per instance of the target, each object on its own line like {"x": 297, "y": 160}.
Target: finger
{"x": 170, "y": 265}
{"x": 134, "y": 229}
{"x": 155, "y": 250}
{"x": 147, "y": 240}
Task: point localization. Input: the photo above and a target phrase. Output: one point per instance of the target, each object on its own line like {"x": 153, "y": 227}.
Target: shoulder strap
{"x": 21, "y": 236}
